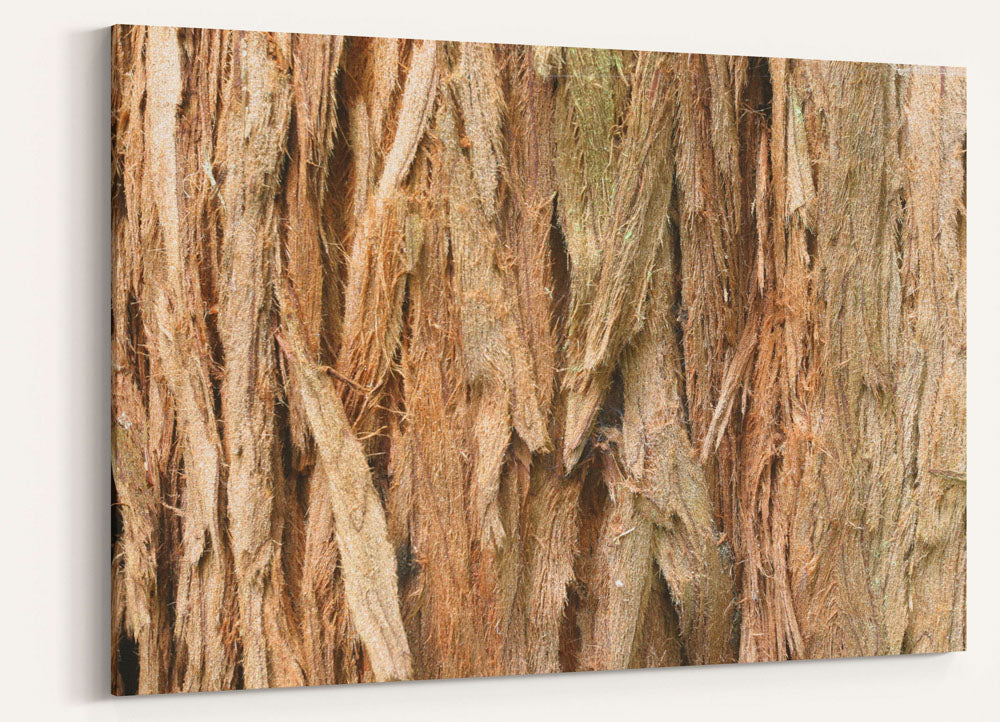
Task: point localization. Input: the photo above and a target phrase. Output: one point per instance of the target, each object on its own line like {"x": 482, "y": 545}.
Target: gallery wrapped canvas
{"x": 447, "y": 359}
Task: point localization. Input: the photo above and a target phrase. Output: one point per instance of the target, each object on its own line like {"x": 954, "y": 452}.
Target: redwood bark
{"x": 437, "y": 359}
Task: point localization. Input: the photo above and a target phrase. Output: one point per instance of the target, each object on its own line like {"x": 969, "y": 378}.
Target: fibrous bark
{"x": 437, "y": 359}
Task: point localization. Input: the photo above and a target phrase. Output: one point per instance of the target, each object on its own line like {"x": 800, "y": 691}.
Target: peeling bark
{"x": 437, "y": 359}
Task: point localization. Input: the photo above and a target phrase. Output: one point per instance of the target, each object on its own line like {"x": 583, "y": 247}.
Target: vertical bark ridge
{"x": 442, "y": 600}
{"x": 376, "y": 260}
{"x": 366, "y": 557}
{"x": 613, "y": 224}
{"x": 254, "y": 116}
{"x": 851, "y": 500}
{"x": 934, "y": 281}
{"x": 668, "y": 482}
{"x": 179, "y": 337}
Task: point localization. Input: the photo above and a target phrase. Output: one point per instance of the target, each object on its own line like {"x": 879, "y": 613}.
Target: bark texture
{"x": 437, "y": 359}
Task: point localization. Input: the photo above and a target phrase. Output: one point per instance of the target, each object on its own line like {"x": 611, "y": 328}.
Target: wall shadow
{"x": 86, "y": 132}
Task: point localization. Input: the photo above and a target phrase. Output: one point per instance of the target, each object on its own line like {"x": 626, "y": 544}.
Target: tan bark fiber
{"x": 441, "y": 359}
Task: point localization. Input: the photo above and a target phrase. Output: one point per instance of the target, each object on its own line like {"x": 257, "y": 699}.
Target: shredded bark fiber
{"x": 437, "y": 359}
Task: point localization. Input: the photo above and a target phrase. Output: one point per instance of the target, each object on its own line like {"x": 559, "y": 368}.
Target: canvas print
{"x": 444, "y": 359}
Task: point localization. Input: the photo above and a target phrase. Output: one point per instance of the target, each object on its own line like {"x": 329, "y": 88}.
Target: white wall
{"x": 54, "y": 276}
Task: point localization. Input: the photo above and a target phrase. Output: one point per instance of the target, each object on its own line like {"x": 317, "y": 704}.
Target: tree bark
{"x": 437, "y": 359}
